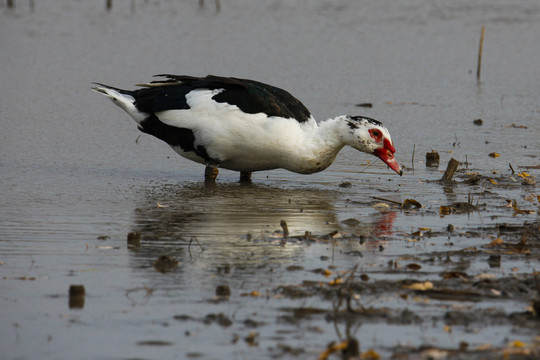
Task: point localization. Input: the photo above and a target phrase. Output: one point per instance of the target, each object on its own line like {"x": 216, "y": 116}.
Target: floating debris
{"x": 251, "y": 339}
{"x": 414, "y": 267}
{"x": 528, "y": 181}
{"x": 381, "y": 207}
{"x": 432, "y": 159}
{"x": 134, "y": 239}
{"x": 76, "y": 296}
{"x": 165, "y": 264}
{"x": 494, "y": 261}
{"x": 223, "y": 291}
{"x": 364, "y": 105}
{"x": 154, "y": 343}
{"x": 220, "y": 319}
{"x": 411, "y": 204}
{"x": 420, "y": 286}
{"x": 516, "y": 126}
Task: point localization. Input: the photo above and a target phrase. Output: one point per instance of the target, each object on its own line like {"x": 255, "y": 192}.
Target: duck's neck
{"x": 322, "y": 144}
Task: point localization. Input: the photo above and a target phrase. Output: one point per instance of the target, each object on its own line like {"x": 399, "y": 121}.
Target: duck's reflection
{"x": 233, "y": 225}
{"x": 229, "y": 212}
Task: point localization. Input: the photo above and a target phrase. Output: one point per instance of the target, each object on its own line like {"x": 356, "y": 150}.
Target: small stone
{"x": 478, "y": 122}
{"x": 528, "y": 181}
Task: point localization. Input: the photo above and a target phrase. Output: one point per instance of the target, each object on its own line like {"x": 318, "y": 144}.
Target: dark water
{"x": 76, "y": 179}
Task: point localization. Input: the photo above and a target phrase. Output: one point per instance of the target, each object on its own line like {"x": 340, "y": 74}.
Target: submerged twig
{"x": 364, "y": 169}
{"x": 387, "y": 200}
{"x": 198, "y": 243}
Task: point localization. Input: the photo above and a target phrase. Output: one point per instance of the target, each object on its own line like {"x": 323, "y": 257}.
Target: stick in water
{"x": 450, "y": 170}
{"x": 479, "y": 66}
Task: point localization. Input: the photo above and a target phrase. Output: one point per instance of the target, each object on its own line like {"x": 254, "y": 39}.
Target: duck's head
{"x": 370, "y": 136}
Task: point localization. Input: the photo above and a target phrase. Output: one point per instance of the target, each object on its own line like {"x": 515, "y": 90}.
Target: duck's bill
{"x": 388, "y": 157}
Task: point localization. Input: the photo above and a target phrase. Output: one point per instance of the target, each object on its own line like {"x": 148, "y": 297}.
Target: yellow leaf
{"x": 518, "y": 344}
{"x": 327, "y": 273}
{"x": 333, "y": 348}
{"x": 445, "y": 210}
{"x": 482, "y": 347}
{"x": 335, "y": 282}
{"x": 447, "y": 329}
{"x": 523, "y": 175}
{"x": 428, "y": 285}
{"x": 370, "y": 355}
{"x": 494, "y": 155}
{"x": 411, "y": 204}
{"x": 255, "y": 293}
{"x": 493, "y": 181}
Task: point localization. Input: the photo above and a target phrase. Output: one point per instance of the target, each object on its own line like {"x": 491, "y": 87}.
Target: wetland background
{"x": 76, "y": 178}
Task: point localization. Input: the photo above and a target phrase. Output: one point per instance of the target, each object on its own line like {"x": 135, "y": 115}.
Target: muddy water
{"x": 76, "y": 179}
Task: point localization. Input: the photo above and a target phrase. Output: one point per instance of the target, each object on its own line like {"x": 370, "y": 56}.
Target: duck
{"x": 245, "y": 125}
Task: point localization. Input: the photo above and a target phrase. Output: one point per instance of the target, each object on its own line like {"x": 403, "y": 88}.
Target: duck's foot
{"x": 245, "y": 178}
{"x": 210, "y": 174}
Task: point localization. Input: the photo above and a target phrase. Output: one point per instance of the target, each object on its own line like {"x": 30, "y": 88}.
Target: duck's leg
{"x": 210, "y": 174}
{"x": 245, "y": 177}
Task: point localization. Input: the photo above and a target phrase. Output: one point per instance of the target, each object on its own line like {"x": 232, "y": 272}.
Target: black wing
{"x": 250, "y": 96}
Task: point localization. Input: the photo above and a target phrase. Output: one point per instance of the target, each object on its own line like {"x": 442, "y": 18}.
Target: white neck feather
{"x": 321, "y": 144}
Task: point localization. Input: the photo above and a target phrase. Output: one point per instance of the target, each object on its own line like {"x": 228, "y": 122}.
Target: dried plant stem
{"x": 480, "y": 46}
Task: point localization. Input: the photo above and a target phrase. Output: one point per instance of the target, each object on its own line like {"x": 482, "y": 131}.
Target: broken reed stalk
{"x": 108, "y": 4}
{"x": 285, "y": 228}
{"x": 10, "y": 3}
{"x": 480, "y": 46}
{"x": 450, "y": 170}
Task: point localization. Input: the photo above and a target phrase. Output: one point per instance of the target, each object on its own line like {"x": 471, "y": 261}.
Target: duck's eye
{"x": 375, "y": 134}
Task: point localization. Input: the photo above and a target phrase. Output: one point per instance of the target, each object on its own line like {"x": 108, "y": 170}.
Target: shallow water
{"x": 76, "y": 178}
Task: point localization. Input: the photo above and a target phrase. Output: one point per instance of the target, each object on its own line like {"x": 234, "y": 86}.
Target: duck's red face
{"x": 386, "y": 151}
